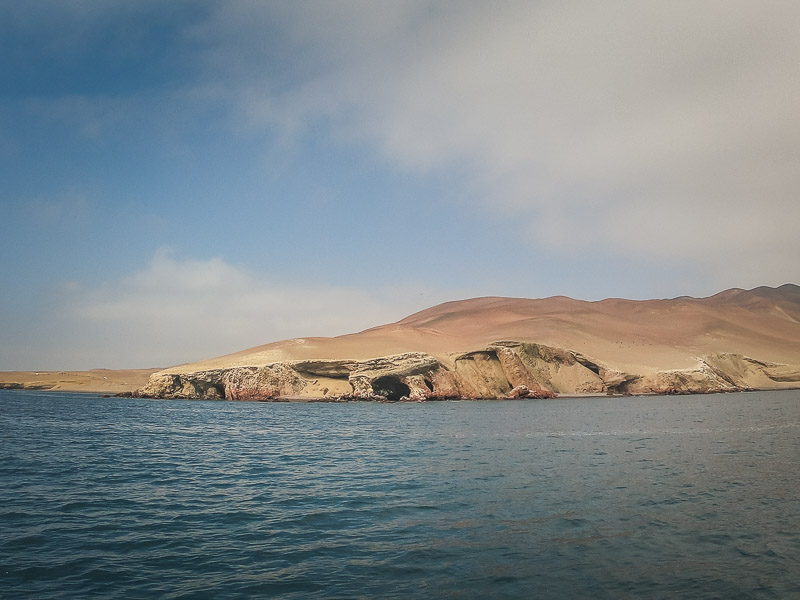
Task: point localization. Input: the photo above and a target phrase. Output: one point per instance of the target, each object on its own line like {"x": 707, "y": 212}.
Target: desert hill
{"x": 498, "y": 347}
{"x": 105, "y": 381}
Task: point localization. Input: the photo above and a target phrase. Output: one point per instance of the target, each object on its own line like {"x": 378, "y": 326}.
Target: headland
{"x": 522, "y": 348}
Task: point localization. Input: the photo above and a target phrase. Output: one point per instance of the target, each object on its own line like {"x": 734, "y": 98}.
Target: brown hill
{"x": 664, "y": 334}
{"x": 97, "y": 380}
{"x": 644, "y": 342}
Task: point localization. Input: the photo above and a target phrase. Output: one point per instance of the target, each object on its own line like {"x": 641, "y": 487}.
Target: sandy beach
{"x": 104, "y": 381}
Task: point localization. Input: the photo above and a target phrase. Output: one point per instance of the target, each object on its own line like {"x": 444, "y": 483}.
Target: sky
{"x": 184, "y": 179}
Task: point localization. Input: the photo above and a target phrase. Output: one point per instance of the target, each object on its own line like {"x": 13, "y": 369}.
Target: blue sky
{"x": 186, "y": 179}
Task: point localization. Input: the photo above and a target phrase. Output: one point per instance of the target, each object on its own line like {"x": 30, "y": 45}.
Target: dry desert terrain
{"x": 496, "y": 347}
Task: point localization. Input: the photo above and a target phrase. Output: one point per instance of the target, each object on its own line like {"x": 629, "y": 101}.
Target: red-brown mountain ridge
{"x": 499, "y": 347}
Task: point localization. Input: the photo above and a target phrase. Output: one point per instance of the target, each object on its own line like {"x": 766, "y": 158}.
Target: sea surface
{"x": 640, "y": 497}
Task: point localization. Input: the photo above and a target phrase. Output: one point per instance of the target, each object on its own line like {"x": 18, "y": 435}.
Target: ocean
{"x": 634, "y": 497}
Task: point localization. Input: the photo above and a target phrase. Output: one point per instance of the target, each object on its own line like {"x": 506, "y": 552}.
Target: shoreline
{"x": 330, "y": 400}
{"x": 92, "y": 381}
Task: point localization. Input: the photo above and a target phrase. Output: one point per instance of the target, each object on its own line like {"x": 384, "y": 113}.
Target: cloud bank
{"x": 620, "y": 147}
{"x": 176, "y": 311}
{"x": 180, "y": 310}
{"x": 665, "y": 131}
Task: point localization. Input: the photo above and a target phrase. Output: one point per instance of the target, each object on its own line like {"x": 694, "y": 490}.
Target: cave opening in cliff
{"x": 215, "y": 391}
{"x": 391, "y": 388}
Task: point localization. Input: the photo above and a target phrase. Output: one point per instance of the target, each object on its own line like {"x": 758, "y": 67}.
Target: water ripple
{"x": 601, "y": 498}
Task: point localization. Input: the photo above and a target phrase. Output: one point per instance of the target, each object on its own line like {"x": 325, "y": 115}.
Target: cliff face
{"x": 500, "y": 370}
{"x": 736, "y": 340}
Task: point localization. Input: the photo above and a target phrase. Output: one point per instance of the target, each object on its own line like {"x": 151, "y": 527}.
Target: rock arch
{"x": 391, "y": 388}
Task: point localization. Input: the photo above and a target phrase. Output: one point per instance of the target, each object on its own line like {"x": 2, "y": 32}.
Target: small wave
{"x": 286, "y": 502}
{"x": 639, "y": 435}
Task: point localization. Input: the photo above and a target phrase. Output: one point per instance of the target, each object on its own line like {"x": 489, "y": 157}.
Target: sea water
{"x": 651, "y": 497}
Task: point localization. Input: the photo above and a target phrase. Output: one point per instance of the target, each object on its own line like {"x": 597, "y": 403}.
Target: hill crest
{"x": 496, "y": 347}
{"x": 657, "y": 333}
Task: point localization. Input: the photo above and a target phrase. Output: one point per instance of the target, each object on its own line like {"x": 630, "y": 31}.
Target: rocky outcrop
{"x": 668, "y": 346}
{"x": 396, "y": 377}
{"x": 195, "y": 386}
{"x": 15, "y": 385}
{"x": 504, "y": 369}
{"x": 742, "y": 371}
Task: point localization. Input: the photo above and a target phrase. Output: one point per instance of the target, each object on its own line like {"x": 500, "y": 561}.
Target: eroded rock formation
{"x": 505, "y": 369}
{"x": 735, "y": 340}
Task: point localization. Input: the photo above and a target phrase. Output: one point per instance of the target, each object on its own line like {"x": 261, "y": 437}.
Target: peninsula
{"x": 522, "y": 348}
{"x": 104, "y": 381}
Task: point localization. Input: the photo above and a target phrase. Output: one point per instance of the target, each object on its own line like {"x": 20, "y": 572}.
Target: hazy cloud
{"x": 665, "y": 131}
{"x": 176, "y": 311}
{"x": 661, "y": 130}
{"x": 663, "y": 135}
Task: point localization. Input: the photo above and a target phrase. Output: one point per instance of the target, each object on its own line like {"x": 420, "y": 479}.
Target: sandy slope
{"x": 649, "y": 341}
{"x": 633, "y": 336}
{"x": 98, "y": 380}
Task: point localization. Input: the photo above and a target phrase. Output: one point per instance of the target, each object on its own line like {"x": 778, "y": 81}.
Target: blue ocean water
{"x": 679, "y": 497}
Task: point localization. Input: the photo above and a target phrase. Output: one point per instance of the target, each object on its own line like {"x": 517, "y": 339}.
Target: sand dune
{"x": 763, "y": 323}
{"x": 98, "y": 380}
{"x": 492, "y": 347}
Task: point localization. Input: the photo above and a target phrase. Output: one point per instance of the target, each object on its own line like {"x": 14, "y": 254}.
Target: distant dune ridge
{"x": 97, "y": 380}
{"x": 515, "y": 347}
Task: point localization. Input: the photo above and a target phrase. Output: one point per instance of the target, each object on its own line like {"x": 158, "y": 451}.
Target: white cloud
{"x": 176, "y": 311}
{"x": 666, "y": 131}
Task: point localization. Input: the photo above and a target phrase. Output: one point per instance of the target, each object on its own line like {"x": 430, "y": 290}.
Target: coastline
{"x": 129, "y": 382}
{"x": 95, "y": 389}
{"x": 101, "y": 381}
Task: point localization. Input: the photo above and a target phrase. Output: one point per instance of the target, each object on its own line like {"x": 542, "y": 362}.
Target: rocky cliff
{"x": 737, "y": 340}
{"x": 500, "y": 370}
